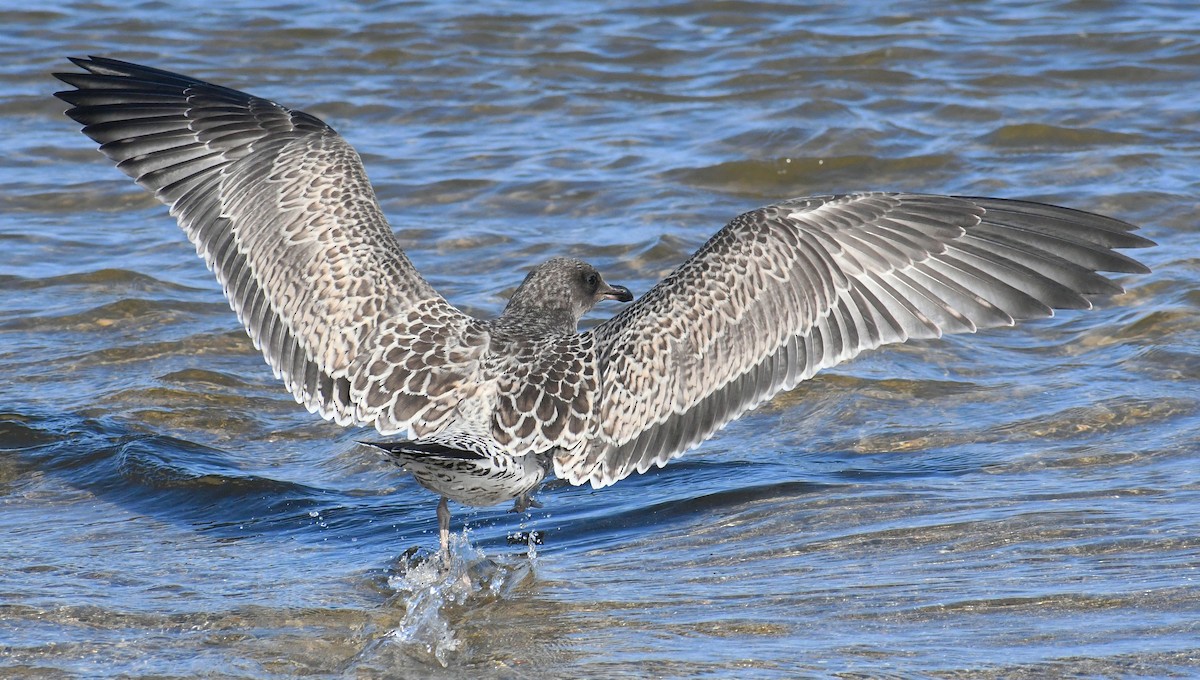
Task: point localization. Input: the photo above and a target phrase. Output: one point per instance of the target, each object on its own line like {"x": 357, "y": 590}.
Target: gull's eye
{"x": 592, "y": 280}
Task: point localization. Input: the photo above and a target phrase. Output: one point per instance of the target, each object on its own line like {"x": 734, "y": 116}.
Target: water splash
{"x": 436, "y": 594}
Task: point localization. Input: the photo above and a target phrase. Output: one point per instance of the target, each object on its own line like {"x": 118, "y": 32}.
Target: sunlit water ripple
{"x": 1020, "y": 503}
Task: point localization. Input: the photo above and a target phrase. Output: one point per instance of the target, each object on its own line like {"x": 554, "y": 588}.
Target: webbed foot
{"x": 524, "y": 502}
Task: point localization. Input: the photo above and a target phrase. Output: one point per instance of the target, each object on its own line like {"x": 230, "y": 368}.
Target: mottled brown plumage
{"x": 279, "y": 206}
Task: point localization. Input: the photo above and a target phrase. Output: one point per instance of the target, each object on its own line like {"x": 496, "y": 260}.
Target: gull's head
{"x": 561, "y": 290}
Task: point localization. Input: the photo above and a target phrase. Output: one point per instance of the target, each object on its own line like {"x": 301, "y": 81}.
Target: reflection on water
{"x": 1022, "y": 502}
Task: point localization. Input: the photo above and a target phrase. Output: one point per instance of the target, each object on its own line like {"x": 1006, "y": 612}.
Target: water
{"x": 1020, "y": 503}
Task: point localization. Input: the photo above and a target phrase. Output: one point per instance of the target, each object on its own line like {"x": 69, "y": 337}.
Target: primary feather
{"x": 279, "y": 206}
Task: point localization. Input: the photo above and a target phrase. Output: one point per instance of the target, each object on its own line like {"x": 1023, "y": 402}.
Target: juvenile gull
{"x": 280, "y": 208}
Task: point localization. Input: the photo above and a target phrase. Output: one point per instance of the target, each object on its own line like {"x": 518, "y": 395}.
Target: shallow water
{"x": 1023, "y": 502}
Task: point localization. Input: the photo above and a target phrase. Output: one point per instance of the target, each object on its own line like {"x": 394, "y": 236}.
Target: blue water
{"x": 1023, "y": 502}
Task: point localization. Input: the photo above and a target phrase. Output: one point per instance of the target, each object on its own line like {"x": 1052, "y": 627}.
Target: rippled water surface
{"x": 1024, "y": 502}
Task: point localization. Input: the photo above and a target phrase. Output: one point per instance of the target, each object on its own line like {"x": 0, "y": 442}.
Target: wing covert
{"x": 786, "y": 290}
{"x": 280, "y": 208}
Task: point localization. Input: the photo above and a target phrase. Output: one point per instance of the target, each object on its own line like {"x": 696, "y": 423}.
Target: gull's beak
{"x": 618, "y": 293}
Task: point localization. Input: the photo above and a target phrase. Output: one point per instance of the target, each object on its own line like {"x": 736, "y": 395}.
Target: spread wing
{"x": 786, "y": 290}
{"x": 279, "y": 206}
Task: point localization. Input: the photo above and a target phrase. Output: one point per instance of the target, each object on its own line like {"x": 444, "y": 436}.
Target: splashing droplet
{"x": 432, "y": 592}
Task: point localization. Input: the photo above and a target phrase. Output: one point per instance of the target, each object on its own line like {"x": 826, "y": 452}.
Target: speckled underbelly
{"x": 470, "y": 478}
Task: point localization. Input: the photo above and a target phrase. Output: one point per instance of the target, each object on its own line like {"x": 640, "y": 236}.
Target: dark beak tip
{"x": 620, "y": 294}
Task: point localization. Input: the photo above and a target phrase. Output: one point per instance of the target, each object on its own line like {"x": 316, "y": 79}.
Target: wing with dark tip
{"x": 786, "y": 290}
{"x": 279, "y": 206}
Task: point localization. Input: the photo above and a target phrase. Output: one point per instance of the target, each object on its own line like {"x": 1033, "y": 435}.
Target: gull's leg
{"x": 443, "y": 515}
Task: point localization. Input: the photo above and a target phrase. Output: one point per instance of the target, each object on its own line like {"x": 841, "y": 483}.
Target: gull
{"x": 279, "y": 206}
